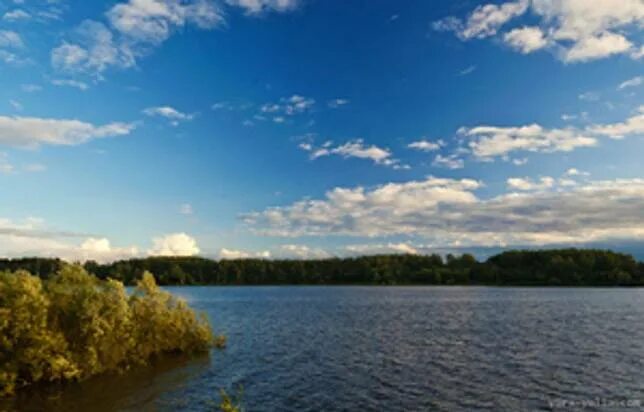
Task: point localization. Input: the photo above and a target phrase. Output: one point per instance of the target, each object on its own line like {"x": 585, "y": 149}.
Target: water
{"x": 391, "y": 349}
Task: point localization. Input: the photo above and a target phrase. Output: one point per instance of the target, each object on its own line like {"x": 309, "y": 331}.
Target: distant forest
{"x": 565, "y": 267}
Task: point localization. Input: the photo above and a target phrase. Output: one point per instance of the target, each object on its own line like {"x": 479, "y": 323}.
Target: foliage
{"x": 231, "y": 403}
{"x": 530, "y": 267}
{"x": 74, "y": 325}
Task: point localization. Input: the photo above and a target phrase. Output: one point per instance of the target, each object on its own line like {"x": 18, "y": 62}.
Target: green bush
{"x": 73, "y": 326}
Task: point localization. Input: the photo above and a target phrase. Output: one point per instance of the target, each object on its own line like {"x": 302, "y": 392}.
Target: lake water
{"x": 392, "y": 349}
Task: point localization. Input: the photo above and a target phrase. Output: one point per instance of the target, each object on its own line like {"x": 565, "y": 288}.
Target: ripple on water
{"x": 394, "y": 349}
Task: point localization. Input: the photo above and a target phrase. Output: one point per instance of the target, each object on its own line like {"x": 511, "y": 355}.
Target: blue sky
{"x": 301, "y": 128}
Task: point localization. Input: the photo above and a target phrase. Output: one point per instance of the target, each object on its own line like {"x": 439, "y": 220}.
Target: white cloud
{"x": 426, "y": 145}
{"x": 70, "y": 83}
{"x": 5, "y": 166}
{"x": 383, "y": 249}
{"x": 634, "y": 82}
{"x": 452, "y": 161}
{"x": 186, "y": 209}
{"x": 589, "y": 96}
{"x": 633, "y": 125}
{"x": 293, "y": 251}
{"x": 30, "y": 88}
{"x": 175, "y": 244}
{"x": 32, "y": 237}
{"x": 170, "y": 113}
{"x": 137, "y": 26}
{"x": 15, "y": 15}
{"x": 526, "y": 39}
{"x": 152, "y": 21}
{"x": 595, "y": 47}
{"x": 355, "y": 149}
{"x": 491, "y": 141}
{"x": 34, "y": 167}
{"x": 10, "y": 39}
{"x": 484, "y": 21}
{"x": 17, "y": 106}
{"x": 467, "y": 70}
{"x": 527, "y": 184}
{"x": 242, "y": 254}
{"x": 94, "y": 51}
{"x": 335, "y": 103}
{"x": 488, "y": 142}
{"x": 31, "y": 132}
{"x": 575, "y": 30}
{"x": 447, "y": 213}
{"x": 261, "y": 6}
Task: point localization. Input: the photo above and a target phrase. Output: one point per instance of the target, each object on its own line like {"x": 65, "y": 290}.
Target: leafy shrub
{"x": 73, "y": 326}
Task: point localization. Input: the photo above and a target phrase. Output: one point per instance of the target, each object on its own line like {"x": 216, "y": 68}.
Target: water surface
{"x": 393, "y": 349}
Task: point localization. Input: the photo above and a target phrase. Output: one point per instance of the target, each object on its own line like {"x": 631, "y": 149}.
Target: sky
{"x": 310, "y": 128}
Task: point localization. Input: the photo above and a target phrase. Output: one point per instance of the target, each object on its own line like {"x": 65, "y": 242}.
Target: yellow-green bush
{"x": 74, "y": 326}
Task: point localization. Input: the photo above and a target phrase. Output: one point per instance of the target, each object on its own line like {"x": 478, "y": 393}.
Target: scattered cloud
{"x": 186, "y": 209}
{"x": 526, "y": 39}
{"x": 448, "y": 213}
{"x": 256, "y": 7}
{"x": 490, "y": 141}
{"x": 170, "y": 113}
{"x": 452, "y": 161}
{"x": 381, "y": 249}
{"x": 293, "y": 251}
{"x": 15, "y": 15}
{"x": 232, "y": 254}
{"x": 175, "y": 244}
{"x": 30, "y": 88}
{"x": 528, "y": 184}
{"x": 11, "y": 39}
{"x": 589, "y": 96}
{"x": 634, "y": 82}
{"x": 575, "y": 31}
{"x": 425, "y": 145}
{"x": 32, "y": 132}
{"x": 354, "y": 149}
{"x": 136, "y": 28}
{"x": 16, "y": 105}
{"x": 335, "y": 103}
{"x": 467, "y": 70}
{"x": 70, "y": 83}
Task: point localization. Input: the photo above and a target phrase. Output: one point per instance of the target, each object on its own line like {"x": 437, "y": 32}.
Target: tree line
{"x": 565, "y": 267}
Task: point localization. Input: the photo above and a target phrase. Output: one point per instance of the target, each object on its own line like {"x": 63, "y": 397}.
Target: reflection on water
{"x": 392, "y": 349}
{"x": 136, "y": 390}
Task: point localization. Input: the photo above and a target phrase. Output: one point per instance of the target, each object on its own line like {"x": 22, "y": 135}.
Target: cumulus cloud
{"x": 10, "y": 39}
{"x": 576, "y": 31}
{"x": 294, "y": 251}
{"x": 151, "y": 22}
{"x": 355, "y": 149}
{"x": 633, "y": 125}
{"x": 448, "y": 213}
{"x": 136, "y": 27}
{"x": 242, "y": 254}
{"x": 484, "y": 21}
{"x": 526, "y": 39}
{"x": 492, "y": 141}
{"x": 175, "y": 244}
{"x": 288, "y": 106}
{"x": 32, "y": 237}
{"x": 260, "y": 6}
{"x": 426, "y": 145}
{"x": 381, "y": 249}
{"x": 452, "y": 161}
{"x": 31, "y": 132}
{"x": 170, "y": 113}
{"x": 528, "y": 184}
